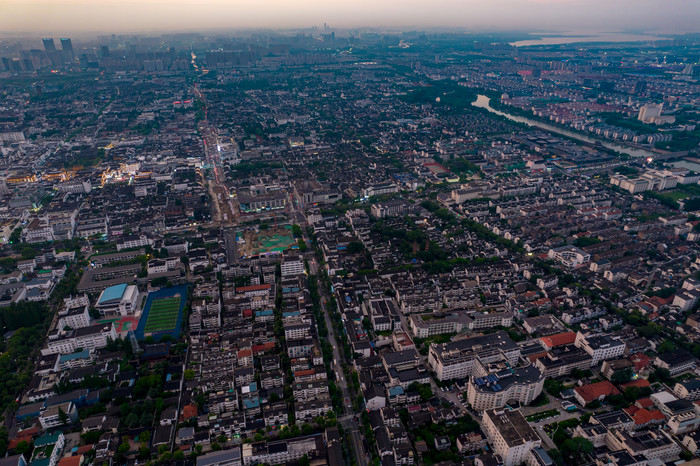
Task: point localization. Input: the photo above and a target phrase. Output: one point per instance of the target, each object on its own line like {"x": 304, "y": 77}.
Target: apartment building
{"x": 600, "y": 347}
{"x": 307, "y": 411}
{"x": 283, "y": 451}
{"x": 427, "y": 325}
{"x": 312, "y": 390}
{"x": 91, "y": 338}
{"x": 688, "y": 389}
{"x": 494, "y": 390}
{"x": 563, "y": 360}
{"x": 456, "y": 360}
{"x": 74, "y": 317}
{"x": 570, "y": 256}
{"x": 292, "y": 264}
{"x": 51, "y": 417}
{"x": 510, "y": 435}
{"x": 652, "y": 444}
{"x": 676, "y": 362}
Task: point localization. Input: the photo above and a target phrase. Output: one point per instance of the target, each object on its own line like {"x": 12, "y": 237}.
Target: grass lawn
{"x": 674, "y": 195}
{"x": 163, "y": 314}
{"x": 544, "y": 414}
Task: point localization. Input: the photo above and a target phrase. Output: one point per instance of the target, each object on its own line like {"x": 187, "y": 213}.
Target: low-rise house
{"x": 594, "y": 392}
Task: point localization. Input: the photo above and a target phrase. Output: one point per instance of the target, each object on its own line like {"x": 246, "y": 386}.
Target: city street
{"x": 348, "y": 421}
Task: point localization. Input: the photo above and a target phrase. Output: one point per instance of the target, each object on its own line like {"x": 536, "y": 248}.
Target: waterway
{"x": 574, "y": 37}
{"x": 484, "y": 102}
{"x": 687, "y": 164}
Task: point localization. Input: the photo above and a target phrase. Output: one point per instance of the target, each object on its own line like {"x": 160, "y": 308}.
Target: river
{"x": 484, "y": 102}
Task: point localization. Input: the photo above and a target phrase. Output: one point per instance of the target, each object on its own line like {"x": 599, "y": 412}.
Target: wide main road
{"x": 348, "y": 419}
{"x": 224, "y": 211}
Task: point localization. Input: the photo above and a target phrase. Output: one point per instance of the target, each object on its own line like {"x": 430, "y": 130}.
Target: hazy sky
{"x": 60, "y": 17}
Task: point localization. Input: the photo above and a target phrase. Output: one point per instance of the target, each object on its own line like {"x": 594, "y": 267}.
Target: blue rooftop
{"x": 79, "y": 355}
{"x": 397, "y": 390}
{"x": 48, "y": 439}
{"x": 250, "y": 403}
{"x": 113, "y": 292}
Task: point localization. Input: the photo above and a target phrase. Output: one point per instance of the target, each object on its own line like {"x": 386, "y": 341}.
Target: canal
{"x": 484, "y": 102}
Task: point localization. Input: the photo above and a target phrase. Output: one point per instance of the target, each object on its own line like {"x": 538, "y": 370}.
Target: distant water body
{"x": 687, "y": 164}
{"x": 558, "y": 39}
{"x": 484, "y": 102}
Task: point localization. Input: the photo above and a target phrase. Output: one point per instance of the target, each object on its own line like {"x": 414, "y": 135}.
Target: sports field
{"x": 163, "y": 314}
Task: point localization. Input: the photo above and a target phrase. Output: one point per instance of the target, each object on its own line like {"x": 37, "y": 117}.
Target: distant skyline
{"x": 65, "y": 17}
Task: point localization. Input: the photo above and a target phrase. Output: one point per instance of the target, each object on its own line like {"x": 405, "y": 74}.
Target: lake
{"x": 559, "y": 39}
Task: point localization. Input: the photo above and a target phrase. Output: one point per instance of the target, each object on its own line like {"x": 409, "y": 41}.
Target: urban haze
{"x": 349, "y": 233}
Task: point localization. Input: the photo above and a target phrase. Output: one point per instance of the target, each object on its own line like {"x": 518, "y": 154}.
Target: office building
{"x": 67, "y": 46}
{"x": 49, "y": 45}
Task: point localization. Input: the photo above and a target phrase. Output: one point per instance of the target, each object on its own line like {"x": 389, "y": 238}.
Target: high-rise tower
{"x": 49, "y": 46}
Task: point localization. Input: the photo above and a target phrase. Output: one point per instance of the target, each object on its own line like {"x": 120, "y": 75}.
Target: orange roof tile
{"x": 536, "y": 356}
{"x": 559, "y": 339}
{"x": 189, "y": 411}
{"x": 245, "y": 289}
{"x": 644, "y": 402}
{"x": 658, "y": 301}
{"x": 641, "y": 383}
{"x": 640, "y": 361}
{"x": 641, "y": 416}
{"x": 596, "y": 390}
{"x": 71, "y": 461}
{"x": 263, "y": 347}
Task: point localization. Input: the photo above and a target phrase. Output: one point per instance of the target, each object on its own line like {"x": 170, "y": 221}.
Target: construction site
{"x": 264, "y": 240}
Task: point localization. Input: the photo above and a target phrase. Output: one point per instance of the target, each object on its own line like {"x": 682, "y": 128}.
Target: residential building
{"x": 654, "y": 445}
{"x": 594, "y": 392}
{"x": 688, "y": 389}
{"x": 67, "y": 341}
{"x": 600, "y": 347}
{"x": 570, "y": 256}
{"x": 676, "y": 362}
{"x": 494, "y": 390}
{"x": 51, "y": 417}
{"x": 456, "y": 360}
{"x": 48, "y": 449}
{"x": 510, "y": 435}
{"x": 563, "y": 360}
{"x": 230, "y": 457}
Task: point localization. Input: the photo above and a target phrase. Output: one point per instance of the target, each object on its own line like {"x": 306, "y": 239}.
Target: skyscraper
{"x": 49, "y": 46}
{"x": 67, "y": 46}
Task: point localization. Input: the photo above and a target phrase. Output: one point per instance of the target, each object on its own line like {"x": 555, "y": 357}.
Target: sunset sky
{"x": 106, "y": 16}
